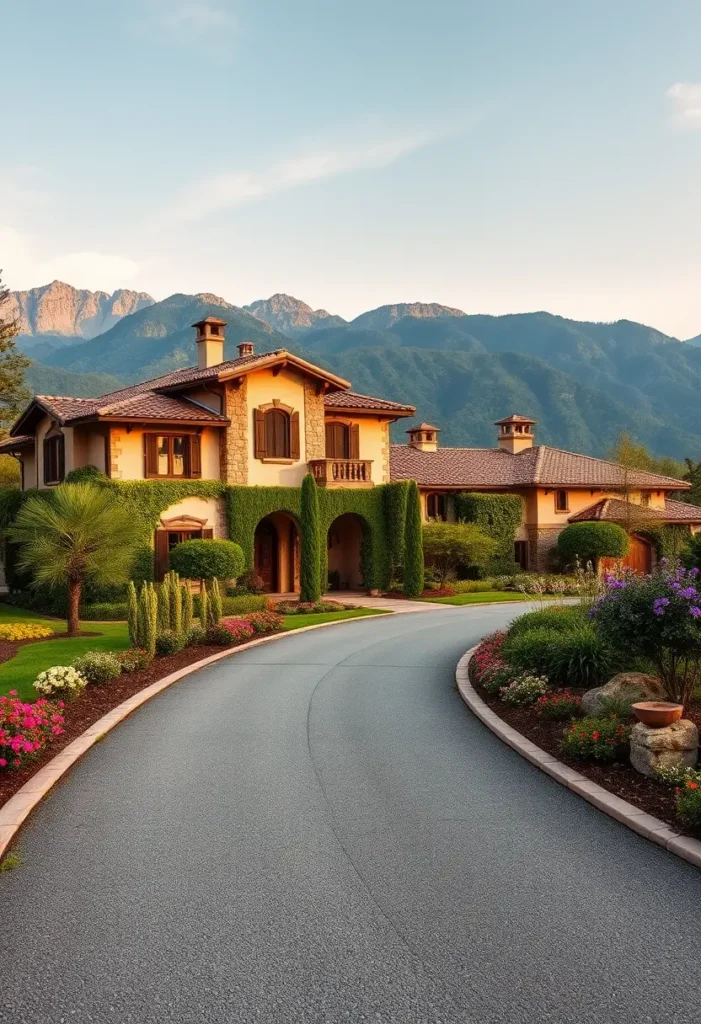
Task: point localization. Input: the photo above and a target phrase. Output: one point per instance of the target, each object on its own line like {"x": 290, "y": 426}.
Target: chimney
{"x": 424, "y": 437}
{"x": 245, "y": 349}
{"x": 210, "y": 342}
{"x": 515, "y": 433}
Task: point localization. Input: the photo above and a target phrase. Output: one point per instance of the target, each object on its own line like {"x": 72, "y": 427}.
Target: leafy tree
{"x": 78, "y": 533}
{"x": 591, "y": 541}
{"x": 690, "y": 554}
{"x": 310, "y": 568}
{"x": 205, "y": 559}
{"x": 448, "y": 545}
{"x": 693, "y": 476}
{"x": 13, "y": 392}
{"x": 413, "y": 544}
{"x": 629, "y": 453}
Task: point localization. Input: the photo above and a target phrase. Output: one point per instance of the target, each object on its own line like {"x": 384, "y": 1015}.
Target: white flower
{"x": 60, "y": 679}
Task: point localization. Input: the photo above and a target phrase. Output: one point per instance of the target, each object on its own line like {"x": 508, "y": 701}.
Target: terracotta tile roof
{"x": 145, "y": 405}
{"x": 422, "y": 426}
{"x": 513, "y": 418}
{"x": 10, "y": 444}
{"x": 615, "y": 510}
{"x": 352, "y": 400}
{"x": 539, "y": 466}
{"x": 63, "y": 408}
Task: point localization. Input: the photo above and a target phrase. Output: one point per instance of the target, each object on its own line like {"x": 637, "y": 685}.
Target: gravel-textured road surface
{"x": 319, "y": 831}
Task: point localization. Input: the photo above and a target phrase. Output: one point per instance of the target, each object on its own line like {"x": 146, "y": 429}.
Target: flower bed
{"x": 512, "y": 670}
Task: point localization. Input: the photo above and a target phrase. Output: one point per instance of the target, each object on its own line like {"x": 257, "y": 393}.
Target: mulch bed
{"x": 621, "y": 779}
{"x": 96, "y": 701}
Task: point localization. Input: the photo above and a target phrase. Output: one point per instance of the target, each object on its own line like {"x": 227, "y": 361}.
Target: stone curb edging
{"x": 639, "y": 821}
{"x": 14, "y": 812}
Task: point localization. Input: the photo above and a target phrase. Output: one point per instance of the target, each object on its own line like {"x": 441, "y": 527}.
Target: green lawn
{"x": 486, "y": 597}
{"x": 297, "y": 621}
{"x": 20, "y": 672}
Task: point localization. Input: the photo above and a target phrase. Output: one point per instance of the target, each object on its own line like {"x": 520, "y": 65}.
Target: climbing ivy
{"x": 395, "y": 499}
{"x": 499, "y": 515}
{"x": 413, "y": 545}
{"x": 310, "y": 568}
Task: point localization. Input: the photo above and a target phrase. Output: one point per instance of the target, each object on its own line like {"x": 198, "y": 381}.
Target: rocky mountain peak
{"x": 382, "y": 318}
{"x": 60, "y": 309}
{"x": 290, "y": 315}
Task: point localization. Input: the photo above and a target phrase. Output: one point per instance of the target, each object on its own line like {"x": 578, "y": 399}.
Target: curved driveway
{"x": 317, "y": 830}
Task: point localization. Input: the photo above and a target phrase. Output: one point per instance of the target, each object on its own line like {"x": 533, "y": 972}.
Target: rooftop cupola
{"x": 245, "y": 349}
{"x": 515, "y": 433}
{"x": 424, "y": 437}
{"x": 210, "y": 342}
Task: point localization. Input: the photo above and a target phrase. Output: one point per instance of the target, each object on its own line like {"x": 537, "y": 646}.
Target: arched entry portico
{"x": 276, "y": 550}
{"x": 344, "y": 542}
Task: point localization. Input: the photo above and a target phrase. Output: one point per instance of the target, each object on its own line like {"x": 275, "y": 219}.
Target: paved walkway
{"x": 387, "y": 604}
{"x": 318, "y": 830}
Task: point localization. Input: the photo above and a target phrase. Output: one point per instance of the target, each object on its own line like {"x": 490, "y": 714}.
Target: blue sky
{"x": 496, "y": 156}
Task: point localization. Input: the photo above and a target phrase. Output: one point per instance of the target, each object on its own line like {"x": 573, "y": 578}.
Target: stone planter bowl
{"x": 657, "y": 713}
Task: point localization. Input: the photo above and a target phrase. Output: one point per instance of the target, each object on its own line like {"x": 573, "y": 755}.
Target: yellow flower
{"x": 24, "y": 631}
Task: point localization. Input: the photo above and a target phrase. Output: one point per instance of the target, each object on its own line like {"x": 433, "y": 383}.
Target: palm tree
{"x": 75, "y": 533}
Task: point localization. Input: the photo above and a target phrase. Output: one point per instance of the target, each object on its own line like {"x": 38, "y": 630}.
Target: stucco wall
{"x": 127, "y": 451}
{"x": 288, "y": 388}
{"x": 210, "y": 509}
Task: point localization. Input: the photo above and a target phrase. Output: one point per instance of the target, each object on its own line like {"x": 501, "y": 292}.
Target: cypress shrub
{"x": 310, "y": 569}
{"x": 215, "y": 603}
{"x": 413, "y": 545}
{"x": 204, "y": 602}
{"x": 163, "y": 597}
{"x": 187, "y": 609}
{"x": 132, "y": 614}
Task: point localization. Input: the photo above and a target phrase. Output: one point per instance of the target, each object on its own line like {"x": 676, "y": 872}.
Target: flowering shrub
{"x": 523, "y": 691}
{"x": 133, "y": 660}
{"x": 26, "y": 728}
{"x": 238, "y": 629}
{"x": 596, "y": 739}
{"x": 310, "y": 607}
{"x": 689, "y": 802}
{"x": 98, "y": 667}
{"x": 657, "y": 617}
{"x": 488, "y": 655}
{"x": 64, "y": 679}
{"x": 558, "y": 706}
{"x": 24, "y": 631}
{"x": 265, "y": 622}
{"x": 677, "y": 774}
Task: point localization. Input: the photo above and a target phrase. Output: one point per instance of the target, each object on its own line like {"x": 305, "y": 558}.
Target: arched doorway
{"x": 276, "y": 550}
{"x": 345, "y": 539}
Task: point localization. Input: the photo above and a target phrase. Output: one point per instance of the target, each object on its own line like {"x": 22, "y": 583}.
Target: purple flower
{"x": 688, "y": 592}
{"x": 695, "y": 611}
{"x": 693, "y": 572}
{"x": 659, "y": 605}
{"x": 676, "y": 586}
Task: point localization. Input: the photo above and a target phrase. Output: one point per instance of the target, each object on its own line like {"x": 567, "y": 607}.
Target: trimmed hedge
{"x": 591, "y": 541}
{"x": 238, "y": 605}
{"x": 413, "y": 545}
{"x": 499, "y": 515}
{"x": 310, "y": 568}
{"x": 207, "y": 559}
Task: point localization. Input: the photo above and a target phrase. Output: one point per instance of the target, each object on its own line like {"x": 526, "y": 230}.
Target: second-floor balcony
{"x": 342, "y": 472}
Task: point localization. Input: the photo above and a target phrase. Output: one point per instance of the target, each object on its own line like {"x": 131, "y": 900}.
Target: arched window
{"x": 277, "y": 434}
{"x": 337, "y": 441}
{"x": 437, "y": 506}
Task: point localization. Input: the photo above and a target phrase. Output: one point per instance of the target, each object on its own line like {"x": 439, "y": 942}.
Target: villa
{"x": 263, "y": 421}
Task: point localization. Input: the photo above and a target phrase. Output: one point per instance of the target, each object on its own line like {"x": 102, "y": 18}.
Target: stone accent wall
{"x": 234, "y": 440}
{"x": 115, "y": 452}
{"x": 385, "y": 455}
{"x": 541, "y": 545}
{"x": 314, "y": 423}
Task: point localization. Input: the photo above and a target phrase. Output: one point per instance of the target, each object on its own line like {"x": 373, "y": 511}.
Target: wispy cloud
{"x": 686, "y": 97}
{"x": 181, "y": 20}
{"x": 224, "y": 191}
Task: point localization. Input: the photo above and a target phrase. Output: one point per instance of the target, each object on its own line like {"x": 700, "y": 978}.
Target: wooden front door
{"x": 266, "y": 554}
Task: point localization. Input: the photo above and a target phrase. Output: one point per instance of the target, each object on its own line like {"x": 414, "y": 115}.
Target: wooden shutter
{"x": 195, "y": 456}
{"x": 207, "y": 534}
{"x": 294, "y": 436}
{"x": 261, "y": 448}
{"x": 330, "y": 441}
{"x": 354, "y": 442}
{"x": 161, "y": 553}
{"x": 61, "y": 445}
{"x": 150, "y": 455}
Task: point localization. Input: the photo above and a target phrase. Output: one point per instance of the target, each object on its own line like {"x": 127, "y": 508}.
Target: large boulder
{"x": 629, "y": 686}
{"x": 675, "y": 745}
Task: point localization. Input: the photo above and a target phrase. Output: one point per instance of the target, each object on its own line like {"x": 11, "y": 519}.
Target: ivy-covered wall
{"x": 499, "y": 515}
{"x": 382, "y": 511}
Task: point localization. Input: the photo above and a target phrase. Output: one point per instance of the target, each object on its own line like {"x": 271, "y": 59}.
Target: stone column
{"x": 234, "y": 438}
{"x": 314, "y": 423}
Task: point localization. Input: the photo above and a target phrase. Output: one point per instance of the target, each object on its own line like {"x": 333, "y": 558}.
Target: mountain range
{"x": 583, "y": 382}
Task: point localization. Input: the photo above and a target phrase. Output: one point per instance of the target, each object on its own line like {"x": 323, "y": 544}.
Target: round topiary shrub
{"x": 207, "y": 559}
{"x": 589, "y": 542}
{"x": 86, "y": 474}
{"x": 168, "y": 642}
